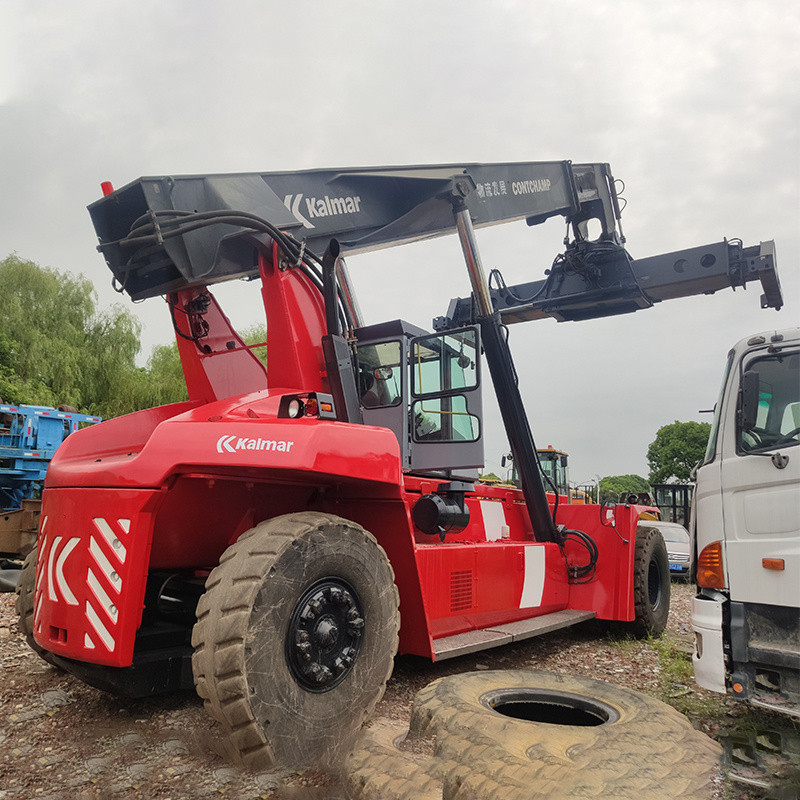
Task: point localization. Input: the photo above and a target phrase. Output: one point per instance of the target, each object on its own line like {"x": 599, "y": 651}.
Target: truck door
{"x": 760, "y": 476}
{"x": 445, "y": 416}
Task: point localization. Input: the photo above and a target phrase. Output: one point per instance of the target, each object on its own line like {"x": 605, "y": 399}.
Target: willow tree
{"x": 56, "y": 347}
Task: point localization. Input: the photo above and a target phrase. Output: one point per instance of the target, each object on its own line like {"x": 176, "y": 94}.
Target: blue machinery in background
{"x": 29, "y": 438}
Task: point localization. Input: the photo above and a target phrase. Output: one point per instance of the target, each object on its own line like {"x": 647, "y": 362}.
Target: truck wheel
{"x": 24, "y": 605}
{"x": 651, "y": 585}
{"x": 295, "y": 639}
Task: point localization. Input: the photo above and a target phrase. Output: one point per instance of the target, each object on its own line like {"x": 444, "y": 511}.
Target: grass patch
{"x": 627, "y": 645}
{"x": 678, "y": 688}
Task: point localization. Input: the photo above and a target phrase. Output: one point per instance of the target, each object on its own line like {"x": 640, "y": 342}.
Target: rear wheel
{"x": 24, "y": 606}
{"x": 295, "y": 638}
{"x": 651, "y": 584}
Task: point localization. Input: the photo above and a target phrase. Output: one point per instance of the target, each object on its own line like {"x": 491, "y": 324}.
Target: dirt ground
{"x": 60, "y": 738}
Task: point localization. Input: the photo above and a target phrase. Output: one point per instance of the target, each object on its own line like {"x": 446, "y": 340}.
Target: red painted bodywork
{"x": 177, "y": 498}
{"x": 170, "y": 488}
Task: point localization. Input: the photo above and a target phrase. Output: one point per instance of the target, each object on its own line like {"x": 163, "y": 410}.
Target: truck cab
{"x": 746, "y": 529}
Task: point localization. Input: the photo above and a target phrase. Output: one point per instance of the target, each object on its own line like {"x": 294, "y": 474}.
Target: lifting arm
{"x": 592, "y": 279}
{"x": 165, "y": 234}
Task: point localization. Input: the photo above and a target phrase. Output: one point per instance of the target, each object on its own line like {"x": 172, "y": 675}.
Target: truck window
{"x": 379, "y": 372}
{"x": 444, "y": 419}
{"x": 778, "y": 417}
{"x": 443, "y": 363}
{"x": 443, "y": 366}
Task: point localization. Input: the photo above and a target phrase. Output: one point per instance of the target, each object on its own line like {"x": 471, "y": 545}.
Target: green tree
{"x": 676, "y": 451}
{"x": 162, "y": 382}
{"x": 613, "y": 486}
{"x": 256, "y": 334}
{"x": 55, "y": 347}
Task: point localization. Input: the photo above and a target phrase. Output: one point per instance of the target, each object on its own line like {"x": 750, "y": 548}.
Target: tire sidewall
{"x": 25, "y": 603}
{"x": 651, "y": 557}
{"x": 329, "y": 550}
{"x": 648, "y": 747}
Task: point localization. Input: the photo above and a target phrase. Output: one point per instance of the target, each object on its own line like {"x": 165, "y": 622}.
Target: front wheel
{"x": 295, "y": 638}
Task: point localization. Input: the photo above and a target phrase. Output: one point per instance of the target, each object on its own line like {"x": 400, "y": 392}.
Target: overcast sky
{"x": 694, "y": 103}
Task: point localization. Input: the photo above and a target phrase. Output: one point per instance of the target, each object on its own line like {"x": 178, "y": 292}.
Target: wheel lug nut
{"x": 337, "y": 596}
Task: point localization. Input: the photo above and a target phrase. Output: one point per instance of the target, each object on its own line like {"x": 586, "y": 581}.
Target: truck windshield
{"x": 778, "y": 417}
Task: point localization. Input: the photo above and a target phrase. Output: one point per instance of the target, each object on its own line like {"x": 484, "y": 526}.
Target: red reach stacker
{"x": 278, "y": 538}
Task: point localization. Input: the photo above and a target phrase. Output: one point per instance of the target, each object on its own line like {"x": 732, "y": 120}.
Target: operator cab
{"x": 426, "y": 389}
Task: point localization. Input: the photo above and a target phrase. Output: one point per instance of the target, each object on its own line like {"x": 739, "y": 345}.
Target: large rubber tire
{"x": 24, "y": 605}
{"x": 644, "y": 748}
{"x": 275, "y": 595}
{"x": 651, "y": 584}
{"x": 377, "y": 769}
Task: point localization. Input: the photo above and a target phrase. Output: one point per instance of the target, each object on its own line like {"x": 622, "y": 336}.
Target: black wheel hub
{"x": 324, "y": 635}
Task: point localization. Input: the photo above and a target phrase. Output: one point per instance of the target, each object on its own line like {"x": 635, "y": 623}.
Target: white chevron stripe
{"x": 62, "y": 581}
{"x": 100, "y": 628}
{"x": 113, "y": 540}
{"x": 100, "y": 594}
{"x": 51, "y": 589}
{"x": 105, "y": 565}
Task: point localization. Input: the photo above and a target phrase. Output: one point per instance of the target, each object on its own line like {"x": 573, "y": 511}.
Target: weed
{"x": 624, "y": 642}
{"x": 678, "y": 689}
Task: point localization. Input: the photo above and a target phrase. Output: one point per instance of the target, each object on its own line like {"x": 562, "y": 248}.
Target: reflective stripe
{"x": 62, "y": 582}
{"x": 494, "y": 519}
{"x": 97, "y": 624}
{"x": 113, "y": 540}
{"x": 105, "y": 565}
{"x": 51, "y": 589}
{"x": 100, "y": 593}
{"x": 533, "y": 586}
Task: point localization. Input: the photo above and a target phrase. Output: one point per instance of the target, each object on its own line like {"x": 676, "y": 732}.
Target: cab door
{"x": 760, "y": 480}
{"x": 445, "y": 414}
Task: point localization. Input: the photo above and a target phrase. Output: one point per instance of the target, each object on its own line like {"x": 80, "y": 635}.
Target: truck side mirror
{"x": 748, "y": 400}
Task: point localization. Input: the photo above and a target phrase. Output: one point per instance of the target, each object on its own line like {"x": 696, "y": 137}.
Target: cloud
{"x": 694, "y": 105}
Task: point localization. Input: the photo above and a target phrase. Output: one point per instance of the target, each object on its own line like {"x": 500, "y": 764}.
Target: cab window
{"x": 777, "y": 416}
{"x": 444, "y": 368}
{"x": 444, "y": 363}
{"x": 379, "y": 374}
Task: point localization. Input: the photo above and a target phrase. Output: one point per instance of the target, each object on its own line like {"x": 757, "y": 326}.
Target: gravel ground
{"x": 61, "y": 738}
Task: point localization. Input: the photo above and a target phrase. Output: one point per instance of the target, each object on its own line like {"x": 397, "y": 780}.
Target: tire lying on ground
{"x": 555, "y": 736}
{"x": 518, "y": 734}
{"x": 378, "y": 769}
{"x": 295, "y": 639}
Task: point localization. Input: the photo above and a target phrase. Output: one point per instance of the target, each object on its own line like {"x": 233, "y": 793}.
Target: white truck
{"x": 746, "y": 529}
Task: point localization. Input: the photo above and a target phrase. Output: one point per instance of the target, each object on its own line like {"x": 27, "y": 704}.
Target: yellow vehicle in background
{"x": 554, "y": 465}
